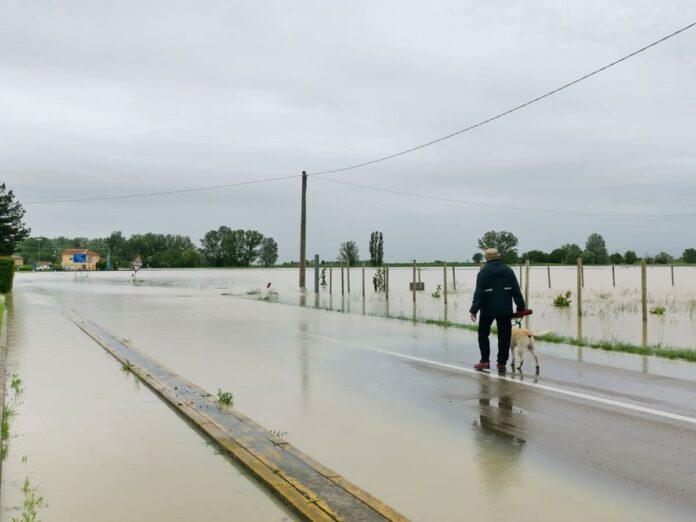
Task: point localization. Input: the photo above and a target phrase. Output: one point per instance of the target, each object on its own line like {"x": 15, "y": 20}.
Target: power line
{"x": 163, "y": 193}
{"x": 504, "y": 207}
{"x": 505, "y": 113}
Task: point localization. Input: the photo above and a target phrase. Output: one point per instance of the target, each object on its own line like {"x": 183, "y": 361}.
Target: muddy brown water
{"x": 101, "y": 447}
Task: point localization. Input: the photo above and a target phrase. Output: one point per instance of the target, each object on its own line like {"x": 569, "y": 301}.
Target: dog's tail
{"x": 541, "y": 333}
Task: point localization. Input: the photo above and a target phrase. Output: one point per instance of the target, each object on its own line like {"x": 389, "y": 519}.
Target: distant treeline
{"x": 221, "y": 247}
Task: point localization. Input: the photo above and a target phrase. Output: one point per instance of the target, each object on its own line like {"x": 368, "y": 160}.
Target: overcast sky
{"x": 110, "y": 98}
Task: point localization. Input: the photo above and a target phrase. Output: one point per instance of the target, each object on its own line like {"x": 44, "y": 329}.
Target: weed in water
{"x": 127, "y": 366}
{"x": 32, "y": 503}
{"x": 17, "y": 384}
{"x": 225, "y": 397}
{"x": 436, "y": 293}
{"x": 562, "y": 300}
{"x": 255, "y": 291}
{"x": 658, "y": 310}
{"x": 279, "y": 433}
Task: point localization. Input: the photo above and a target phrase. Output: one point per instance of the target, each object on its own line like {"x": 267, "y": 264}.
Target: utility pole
{"x": 303, "y": 230}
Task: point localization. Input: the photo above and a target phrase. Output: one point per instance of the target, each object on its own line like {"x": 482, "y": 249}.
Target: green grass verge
{"x": 666, "y": 352}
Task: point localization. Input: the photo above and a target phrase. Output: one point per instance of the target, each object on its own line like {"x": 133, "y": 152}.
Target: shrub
{"x": 562, "y": 300}
{"x": 658, "y": 310}
{"x": 7, "y": 270}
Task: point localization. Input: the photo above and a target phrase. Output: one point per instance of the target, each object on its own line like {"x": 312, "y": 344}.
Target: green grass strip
{"x": 666, "y": 352}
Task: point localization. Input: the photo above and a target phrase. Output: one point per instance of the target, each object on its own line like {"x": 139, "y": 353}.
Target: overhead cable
{"x": 163, "y": 193}
{"x": 505, "y": 113}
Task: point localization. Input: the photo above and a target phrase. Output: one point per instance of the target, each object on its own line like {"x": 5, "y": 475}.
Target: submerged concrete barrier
{"x": 311, "y": 490}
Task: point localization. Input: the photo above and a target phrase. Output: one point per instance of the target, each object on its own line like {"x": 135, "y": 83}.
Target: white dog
{"x": 523, "y": 338}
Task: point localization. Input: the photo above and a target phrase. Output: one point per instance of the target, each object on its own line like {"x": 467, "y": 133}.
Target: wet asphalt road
{"x": 396, "y": 408}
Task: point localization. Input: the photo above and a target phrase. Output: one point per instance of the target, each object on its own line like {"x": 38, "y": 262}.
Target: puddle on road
{"x": 97, "y": 445}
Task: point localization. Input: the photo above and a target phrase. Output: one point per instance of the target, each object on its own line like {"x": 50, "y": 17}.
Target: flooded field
{"x": 609, "y": 313}
{"x": 100, "y": 447}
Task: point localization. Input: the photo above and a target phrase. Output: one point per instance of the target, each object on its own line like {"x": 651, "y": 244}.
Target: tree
{"x": 249, "y": 251}
{"x": 596, "y": 250}
{"x": 12, "y": 228}
{"x": 572, "y": 253}
{"x": 557, "y": 255}
{"x": 535, "y": 256}
{"x": 630, "y": 257}
{"x": 348, "y": 253}
{"x": 268, "y": 253}
{"x": 689, "y": 255}
{"x": 211, "y": 248}
{"x": 505, "y": 242}
{"x": 616, "y": 259}
{"x": 376, "y": 248}
{"x": 477, "y": 257}
{"x": 663, "y": 258}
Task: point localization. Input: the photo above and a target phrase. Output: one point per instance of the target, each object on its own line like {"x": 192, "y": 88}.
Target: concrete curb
{"x": 311, "y": 490}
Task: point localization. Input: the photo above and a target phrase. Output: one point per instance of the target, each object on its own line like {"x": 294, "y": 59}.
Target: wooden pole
{"x": 419, "y": 275}
{"x": 582, "y": 274}
{"x": 548, "y": 274}
{"x": 444, "y": 278}
{"x": 331, "y": 279}
{"x": 454, "y": 279}
{"x": 363, "y": 280}
{"x": 672, "y": 268}
{"x": 342, "y": 281}
{"x": 414, "y": 280}
{"x": 386, "y": 281}
{"x": 613, "y": 276}
{"x": 303, "y": 229}
{"x": 579, "y": 274}
{"x": 521, "y": 275}
{"x": 526, "y": 291}
{"x": 644, "y": 291}
{"x": 348, "y": 276}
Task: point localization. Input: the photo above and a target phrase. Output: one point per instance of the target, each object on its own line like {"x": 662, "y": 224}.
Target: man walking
{"x": 496, "y": 288}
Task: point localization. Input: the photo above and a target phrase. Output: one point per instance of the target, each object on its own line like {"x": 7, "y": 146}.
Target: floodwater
{"x": 97, "y": 445}
{"x": 100, "y": 447}
{"x": 611, "y": 306}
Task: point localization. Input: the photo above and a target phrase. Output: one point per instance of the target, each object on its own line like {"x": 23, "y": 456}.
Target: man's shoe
{"x": 502, "y": 368}
{"x": 482, "y": 365}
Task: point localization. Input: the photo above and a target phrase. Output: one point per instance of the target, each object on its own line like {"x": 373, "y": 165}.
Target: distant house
{"x": 18, "y": 260}
{"x": 80, "y": 259}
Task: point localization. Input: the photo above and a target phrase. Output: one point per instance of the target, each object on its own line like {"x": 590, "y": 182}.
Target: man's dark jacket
{"x": 496, "y": 287}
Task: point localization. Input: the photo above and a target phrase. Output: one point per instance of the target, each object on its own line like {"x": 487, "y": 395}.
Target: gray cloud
{"x": 102, "y": 98}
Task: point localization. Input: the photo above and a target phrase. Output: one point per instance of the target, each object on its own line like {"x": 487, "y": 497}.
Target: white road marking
{"x": 545, "y": 387}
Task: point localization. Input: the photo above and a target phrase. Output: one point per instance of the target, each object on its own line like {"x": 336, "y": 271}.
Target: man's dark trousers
{"x": 504, "y": 325}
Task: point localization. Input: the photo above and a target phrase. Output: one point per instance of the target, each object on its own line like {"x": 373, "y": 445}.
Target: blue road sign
{"x": 79, "y": 258}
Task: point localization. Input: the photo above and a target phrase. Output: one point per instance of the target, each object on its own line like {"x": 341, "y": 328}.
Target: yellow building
{"x": 80, "y": 259}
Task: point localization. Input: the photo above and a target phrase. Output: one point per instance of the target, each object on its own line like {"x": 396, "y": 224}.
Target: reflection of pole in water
{"x": 304, "y": 363}
{"x": 446, "y": 318}
{"x": 579, "y": 337}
